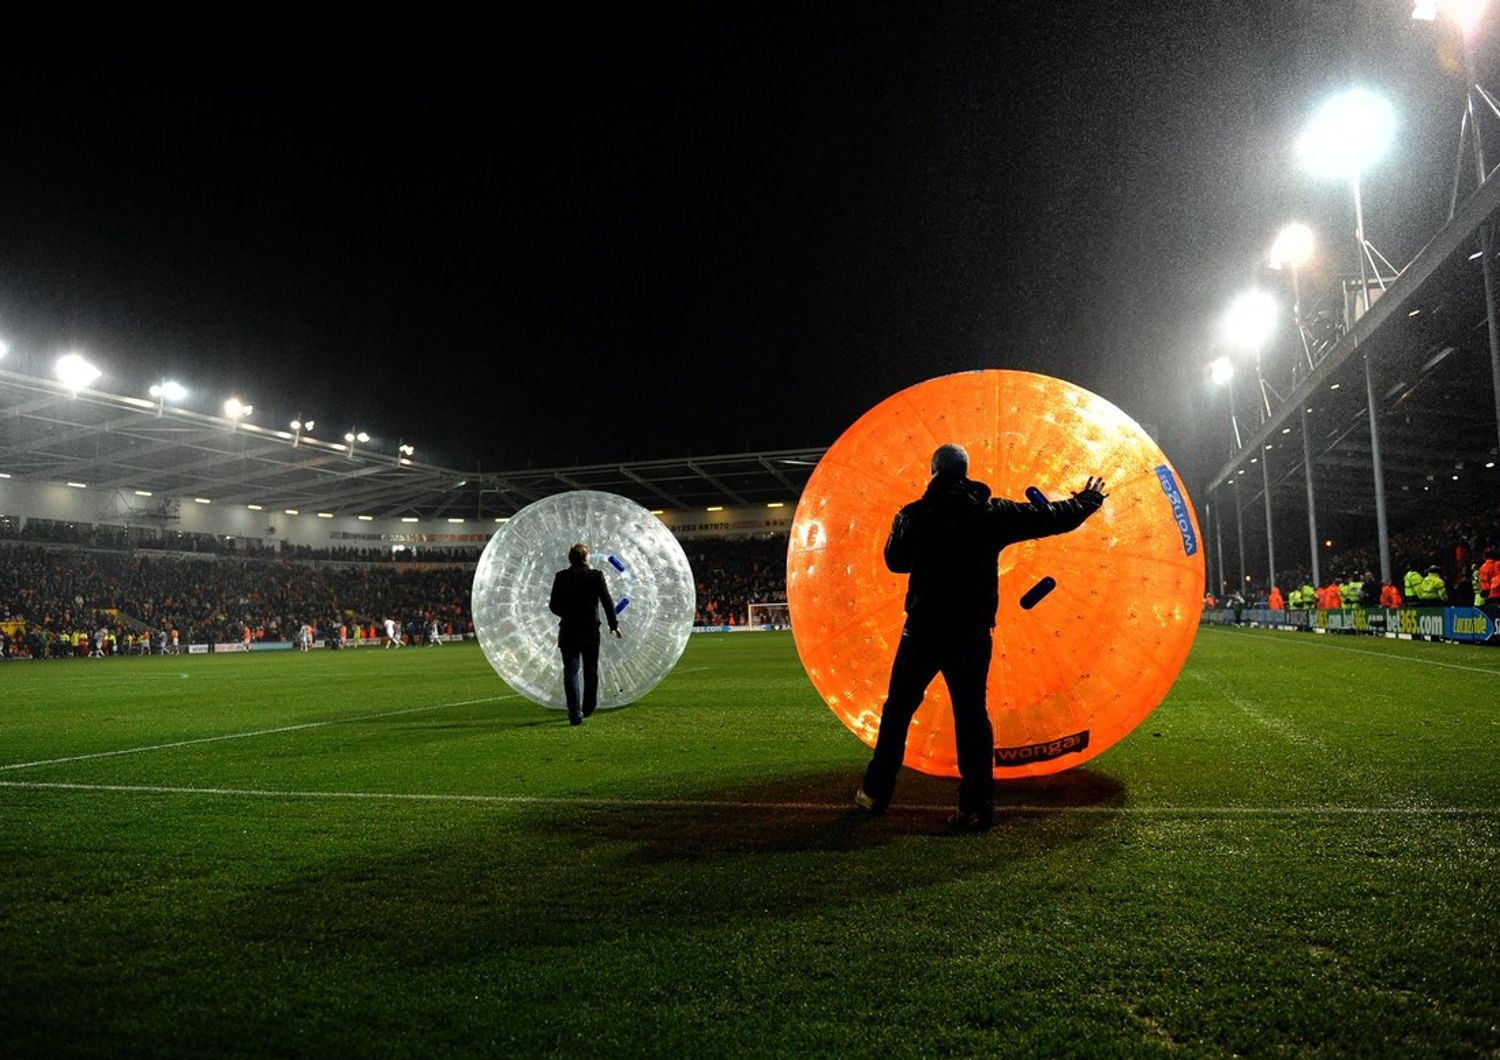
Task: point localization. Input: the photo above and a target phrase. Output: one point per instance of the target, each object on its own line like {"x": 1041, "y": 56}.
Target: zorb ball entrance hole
{"x": 1094, "y": 625}
{"x": 646, "y": 571}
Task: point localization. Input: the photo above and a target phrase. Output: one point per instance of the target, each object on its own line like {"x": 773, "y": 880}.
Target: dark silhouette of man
{"x": 949, "y": 543}
{"x": 577, "y": 594}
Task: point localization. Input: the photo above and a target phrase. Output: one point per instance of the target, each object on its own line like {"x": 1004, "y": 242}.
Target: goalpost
{"x": 771, "y": 615}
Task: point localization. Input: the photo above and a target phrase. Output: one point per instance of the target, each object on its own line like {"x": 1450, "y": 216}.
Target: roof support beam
{"x": 718, "y": 485}
{"x": 652, "y": 487}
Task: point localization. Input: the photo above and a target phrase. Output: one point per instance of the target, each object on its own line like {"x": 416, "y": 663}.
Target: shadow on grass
{"x": 816, "y": 813}
{"x": 552, "y": 875}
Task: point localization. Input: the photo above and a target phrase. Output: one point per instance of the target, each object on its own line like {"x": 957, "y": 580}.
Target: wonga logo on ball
{"x": 1093, "y": 625}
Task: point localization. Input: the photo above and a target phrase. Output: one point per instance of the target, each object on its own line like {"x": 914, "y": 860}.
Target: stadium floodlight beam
{"x": 165, "y": 391}
{"x": 1292, "y": 250}
{"x": 1221, "y": 373}
{"x": 236, "y": 410}
{"x": 1465, "y": 13}
{"x": 353, "y": 435}
{"x": 1250, "y": 321}
{"x": 299, "y": 425}
{"x": 1348, "y": 134}
{"x": 1247, "y": 325}
{"x": 4, "y": 349}
{"x": 75, "y": 371}
{"x": 403, "y": 453}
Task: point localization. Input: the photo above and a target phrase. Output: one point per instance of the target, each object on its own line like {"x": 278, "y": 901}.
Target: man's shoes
{"x": 574, "y": 719}
{"x": 871, "y": 805}
{"x": 588, "y": 712}
{"x": 972, "y": 821}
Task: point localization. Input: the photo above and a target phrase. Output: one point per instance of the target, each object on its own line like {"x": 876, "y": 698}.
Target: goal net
{"x": 772, "y": 615}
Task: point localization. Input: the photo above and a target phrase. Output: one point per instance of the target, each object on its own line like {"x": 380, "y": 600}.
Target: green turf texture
{"x": 1296, "y": 853}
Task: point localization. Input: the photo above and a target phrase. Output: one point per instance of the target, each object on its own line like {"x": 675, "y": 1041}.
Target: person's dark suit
{"x": 949, "y": 543}
{"x": 577, "y": 594}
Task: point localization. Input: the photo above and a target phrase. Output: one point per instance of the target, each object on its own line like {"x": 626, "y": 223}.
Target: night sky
{"x": 662, "y": 231}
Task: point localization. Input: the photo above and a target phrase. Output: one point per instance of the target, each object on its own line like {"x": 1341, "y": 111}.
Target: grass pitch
{"x": 375, "y": 853}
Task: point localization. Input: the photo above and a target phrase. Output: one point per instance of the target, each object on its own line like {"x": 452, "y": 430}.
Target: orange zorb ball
{"x": 1094, "y": 624}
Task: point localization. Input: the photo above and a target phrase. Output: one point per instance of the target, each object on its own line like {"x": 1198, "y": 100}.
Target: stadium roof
{"x": 107, "y": 441}
{"x": 1426, "y": 339}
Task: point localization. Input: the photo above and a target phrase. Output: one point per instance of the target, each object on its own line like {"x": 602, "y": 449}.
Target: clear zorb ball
{"x": 644, "y": 567}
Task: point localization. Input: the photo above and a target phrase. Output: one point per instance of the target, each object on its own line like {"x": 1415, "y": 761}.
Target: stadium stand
{"x": 77, "y": 580}
{"x": 731, "y": 574}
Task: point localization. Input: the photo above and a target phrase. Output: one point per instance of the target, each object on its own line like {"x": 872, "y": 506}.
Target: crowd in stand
{"x": 57, "y": 600}
{"x": 1454, "y": 563}
{"x": 64, "y": 594}
{"x": 733, "y": 573}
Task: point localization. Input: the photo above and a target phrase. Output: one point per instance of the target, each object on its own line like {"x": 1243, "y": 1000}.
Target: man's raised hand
{"x": 1093, "y": 485}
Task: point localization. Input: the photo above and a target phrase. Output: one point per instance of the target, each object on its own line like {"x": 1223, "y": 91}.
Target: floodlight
{"x": 167, "y": 390}
{"x": 1250, "y": 320}
{"x": 1464, "y": 13}
{"x": 349, "y": 437}
{"x": 75, "y": 371}
{"x": 295, "y": 425}
{"x": 362, "y": 437}
{"x": 1346, "y": 135}
{"x": 406, "y": 450}
{"x": 1221, "y": 371}
{"x": 309, "y": 425}
{"x": 4, "y": 348}
{"x": 1293, "y": 247}
{"x": 236, "y": 409}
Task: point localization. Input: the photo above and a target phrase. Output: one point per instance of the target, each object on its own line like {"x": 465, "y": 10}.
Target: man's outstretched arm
{"x": 1022, "y": 521}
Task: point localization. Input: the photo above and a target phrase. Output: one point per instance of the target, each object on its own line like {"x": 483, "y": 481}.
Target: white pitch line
{"x": 1386, "y": 655}
{"x": 729, "y": 804}
{"x": 246, "y": 735}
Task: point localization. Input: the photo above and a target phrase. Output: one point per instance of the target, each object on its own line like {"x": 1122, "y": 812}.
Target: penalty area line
{"x": 247, "y": 735}
{"x": 731, "y": 804}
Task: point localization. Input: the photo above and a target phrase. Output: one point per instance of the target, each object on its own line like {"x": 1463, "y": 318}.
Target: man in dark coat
{"x": 949, "y": 543}
{"x": 577, "y": 594}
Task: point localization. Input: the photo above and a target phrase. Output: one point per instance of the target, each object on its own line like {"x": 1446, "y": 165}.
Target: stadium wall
{"x": 728, "y": 522}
